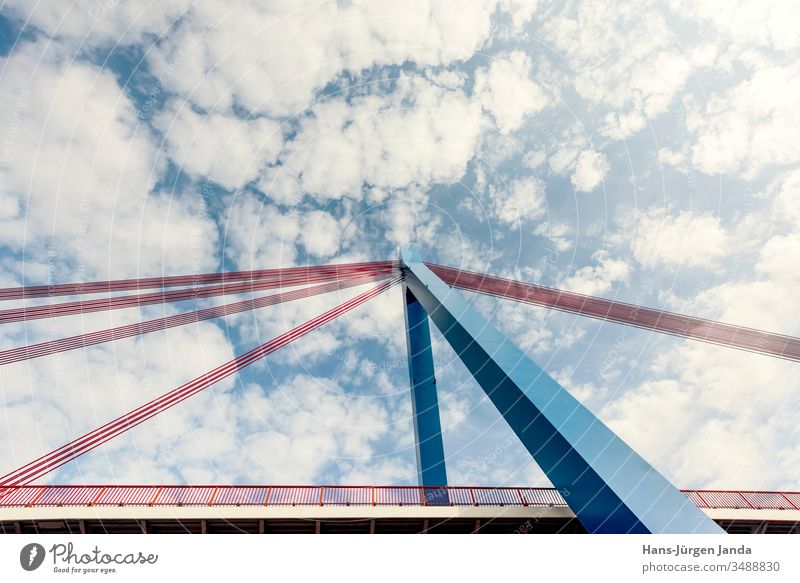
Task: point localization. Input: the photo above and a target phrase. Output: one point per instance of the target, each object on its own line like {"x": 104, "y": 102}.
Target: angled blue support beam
{"x": 610, "y": 487}
{"x": 431, "y": 467}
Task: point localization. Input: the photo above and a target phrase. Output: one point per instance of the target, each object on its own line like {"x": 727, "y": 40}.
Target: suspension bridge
{"x": 601, "y": 485}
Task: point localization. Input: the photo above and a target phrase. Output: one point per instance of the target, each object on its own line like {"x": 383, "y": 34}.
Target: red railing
{"x": 81, "y": 495}
{"x": 745, "y": 499}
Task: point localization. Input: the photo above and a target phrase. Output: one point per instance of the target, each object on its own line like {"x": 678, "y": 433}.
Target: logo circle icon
{"x": 31, "y": 556}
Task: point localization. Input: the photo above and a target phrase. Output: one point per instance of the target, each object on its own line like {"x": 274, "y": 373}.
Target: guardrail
{"x": 745, "y": 499}
{"x": 156, "y": 495}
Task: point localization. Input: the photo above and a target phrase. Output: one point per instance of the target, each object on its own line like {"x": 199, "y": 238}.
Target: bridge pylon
{"x": 609, "y": 487}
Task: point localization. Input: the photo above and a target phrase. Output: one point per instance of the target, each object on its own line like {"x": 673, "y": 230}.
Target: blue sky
{"x": 643, "y": 152}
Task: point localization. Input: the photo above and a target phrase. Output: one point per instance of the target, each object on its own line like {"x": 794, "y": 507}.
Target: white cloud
{"x": 598, "y": 279}
{"x": 521, "y": 200}
{"x": 379, "y": 322}
{"x": 621, "y": 57}
{"x": 506, "y": 91}
{"x": 778, "y": 256}
{"x": 698, "y": 390}
{"x": 691, "y": 240}
{"x": 521, "y": 12}
{"x": 789, "y": 197}
{"x": 590, "y": 169}
{"x": 411, "y": 219}
{"x": 562, "y": 237}
{"x": 632, "y": 416}
{"x": 272, "y": 59}
{"x": 750, "y": 127}
{"x": 291, "y": 433}
{"x": 260, "y": 234}
{"x": 574, "y": 155}
{"x": 746, "y": 23}
{"x": 311, "y": 423}
{"x": 419, "y": 134}
{"x": 677, "y": 158}
{"x": 225, "y": 149}
{"x": 80, "y": 174}
{"x": 90, "y": 387}
{"x": 320, "y": 233}
{"x": 384, "y": 471}
{"x": 703, "y": 436}
{"x": 453, "y": 412}
{"x": 522, "y": 322}
{"x": 81, "y": 171}
{"x": 100, "y": 23}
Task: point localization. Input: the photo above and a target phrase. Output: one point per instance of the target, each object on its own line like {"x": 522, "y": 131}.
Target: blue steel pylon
{"x": 431, "y": 468}
{"x": 610, "y": 487}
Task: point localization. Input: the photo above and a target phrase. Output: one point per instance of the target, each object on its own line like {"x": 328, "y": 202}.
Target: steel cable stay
{"x": 66, "y": 289}
{"x": 139, "y": 328}
{"x": 328, "y": 278}
{"x": 77, "y": 447}
{"x": 427, "y": 290}
{"x": 739, "y": 337}
{"x": 719, "y": 333}
{"x": 193, "y": 293}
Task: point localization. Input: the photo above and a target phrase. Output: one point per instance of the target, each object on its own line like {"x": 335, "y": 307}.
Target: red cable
{"x": 138, "y": 416}
{"x": 135, "y": 417}
{"x": 65, "y": 289}
{"x": 93, "y": 439}
{"x": 83, "y": 340}
{"x": 103, "y": 304}
{"x": 739, "y": 337}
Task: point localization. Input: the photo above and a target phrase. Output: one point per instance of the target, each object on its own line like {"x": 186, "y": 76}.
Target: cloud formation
{"x": 642, "y": 152}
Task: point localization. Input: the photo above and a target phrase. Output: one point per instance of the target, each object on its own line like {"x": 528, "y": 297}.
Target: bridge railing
{"x": 745, "y": 499}
{"x": 279, "y": 495}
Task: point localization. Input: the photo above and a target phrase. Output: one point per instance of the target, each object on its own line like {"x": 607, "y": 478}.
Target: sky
{"x": 638, "y": 151}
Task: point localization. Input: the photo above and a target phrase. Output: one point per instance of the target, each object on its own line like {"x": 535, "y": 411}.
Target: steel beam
{"x": 431, "y": 468}
{"x": 610, "y": 487}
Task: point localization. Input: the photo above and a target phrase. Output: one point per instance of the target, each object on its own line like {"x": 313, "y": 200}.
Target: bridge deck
{"x": 368, "y": 509}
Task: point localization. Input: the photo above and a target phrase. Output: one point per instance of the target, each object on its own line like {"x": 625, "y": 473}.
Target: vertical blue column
{"x": 610, "y": 487}
{"x": 431, "y": 467}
